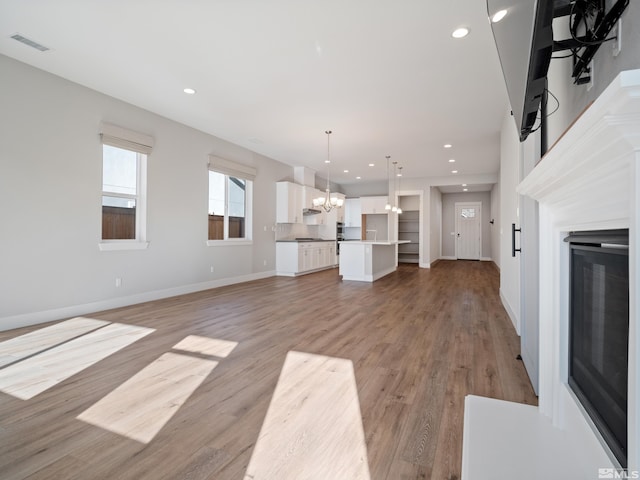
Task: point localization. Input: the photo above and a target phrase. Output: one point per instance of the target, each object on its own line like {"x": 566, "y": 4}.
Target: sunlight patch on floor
{"x": 17, "y": 348}
{"x": 141, "y": 406}
{"x": 313, "y": 428}
{"x": 206, "y": 346}
{"x": 35, "y": 374}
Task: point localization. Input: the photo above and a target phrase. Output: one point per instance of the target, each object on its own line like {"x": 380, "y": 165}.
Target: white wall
{"x": 435, "y": 247}
{"x": 510, "y": 153}
{"x": 50, "y": 204}
{"x": 496, "y": 226}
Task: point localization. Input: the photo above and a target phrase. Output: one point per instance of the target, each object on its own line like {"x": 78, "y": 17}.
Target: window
{"x": 120, "y": 189}
{"x": 124, "y": 161}
{"x": 230, "y": 195}
{"x": 468, "y": 213}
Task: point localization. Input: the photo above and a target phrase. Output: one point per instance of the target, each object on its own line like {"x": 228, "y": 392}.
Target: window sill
{"x": 228, "y": 243}
{"x": 122, "y": 245}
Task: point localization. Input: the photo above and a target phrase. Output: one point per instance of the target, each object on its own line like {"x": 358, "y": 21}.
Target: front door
{"x": 468, "y": 234}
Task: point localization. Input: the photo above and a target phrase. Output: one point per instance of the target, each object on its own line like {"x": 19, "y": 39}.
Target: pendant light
{"x": 399, "y": 210}
{"x": 387, "y": 207}
{"x": 394, "y": 209}
{"x": 328, "y": 202}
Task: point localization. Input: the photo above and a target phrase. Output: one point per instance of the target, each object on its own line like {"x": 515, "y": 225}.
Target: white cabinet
{"x": 352, "y": 213}
{"x": 373, "y": 205}
{"x": 340, "y": 211}
{"x": 308, "y": 194}
{"x": 288, "y": 202}
{"x": 295, "y": 258}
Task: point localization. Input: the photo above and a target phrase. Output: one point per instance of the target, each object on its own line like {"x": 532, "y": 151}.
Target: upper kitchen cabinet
{"x": 340, "y": 211}
{"x": 353, "y": 212}
{"x": 373, "y": 205}
{"x": 288, "y": 202}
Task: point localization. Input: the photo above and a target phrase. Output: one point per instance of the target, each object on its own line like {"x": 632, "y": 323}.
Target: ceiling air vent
{"x": 30, "y": 43}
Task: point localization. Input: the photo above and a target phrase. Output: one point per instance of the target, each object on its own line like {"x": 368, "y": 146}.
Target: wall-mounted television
{"x": 525, "y": 43}
{"x": 524, "y": 39}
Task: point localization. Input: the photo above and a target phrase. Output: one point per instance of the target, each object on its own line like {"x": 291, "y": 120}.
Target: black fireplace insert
{"x": 599, "y": 331}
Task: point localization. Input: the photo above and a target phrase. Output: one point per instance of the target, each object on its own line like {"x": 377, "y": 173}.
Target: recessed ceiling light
{"x": 327, "y": 161}
{"x": 189, "y": 91}
{"x": 345, "y": 171}
{"x": 372, "y": 164}
{"x": 499, "y": 15}
{"x": 454, "y": 171}
{"x": 399, "y": 175}
{"x": 447, "y": 145}
{"x": 465, "y": 189}
{"x": 358, "y": 178}
{"x": 452, "y": 160}
{"x": 464, "y": 184}
{"x": 460, "y": 32}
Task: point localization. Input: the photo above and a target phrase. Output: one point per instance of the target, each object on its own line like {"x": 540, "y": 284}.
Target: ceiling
{"x": 385, "y": 76}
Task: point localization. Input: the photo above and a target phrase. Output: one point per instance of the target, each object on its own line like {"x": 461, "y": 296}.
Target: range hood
{"x": 310, "y": 211}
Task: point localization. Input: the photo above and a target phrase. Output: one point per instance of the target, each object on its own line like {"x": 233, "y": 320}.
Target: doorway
{"x": 468, "y": 230}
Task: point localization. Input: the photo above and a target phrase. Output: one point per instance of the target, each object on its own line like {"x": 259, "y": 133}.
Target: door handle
{"x": 513, "y": 239}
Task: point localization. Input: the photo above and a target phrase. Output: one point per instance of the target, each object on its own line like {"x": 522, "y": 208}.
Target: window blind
{"x": 124, "y": 138}
{"x": 231, "y": 168}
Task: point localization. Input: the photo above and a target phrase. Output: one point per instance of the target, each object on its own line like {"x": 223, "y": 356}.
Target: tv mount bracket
{"x": 583, "y": 48}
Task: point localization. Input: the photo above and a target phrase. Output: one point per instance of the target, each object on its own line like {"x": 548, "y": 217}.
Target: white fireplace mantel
{"x": 589, "y": 180}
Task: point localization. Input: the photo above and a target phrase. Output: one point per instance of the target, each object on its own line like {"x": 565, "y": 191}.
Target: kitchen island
{"x": 367, "y": 261}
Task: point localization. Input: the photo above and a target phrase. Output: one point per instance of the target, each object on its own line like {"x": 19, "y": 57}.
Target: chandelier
{"x": 328, "y": 202}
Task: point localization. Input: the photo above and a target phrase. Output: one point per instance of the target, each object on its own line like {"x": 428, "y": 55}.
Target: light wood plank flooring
{"x": 415, "y": 343}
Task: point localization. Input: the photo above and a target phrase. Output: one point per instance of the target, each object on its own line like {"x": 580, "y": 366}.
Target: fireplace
{"x": 589, "y": 181}
{"x": 599, "y": 331}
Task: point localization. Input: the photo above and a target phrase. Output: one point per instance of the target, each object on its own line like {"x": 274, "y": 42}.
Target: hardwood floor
{"x": 386, "y": 364}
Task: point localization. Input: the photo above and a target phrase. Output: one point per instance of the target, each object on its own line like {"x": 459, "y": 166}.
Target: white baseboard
{"x": 514, "y": 318}
{"x": 486, "y": 259}
{"x": 33, "y": 318}
{"x": 424, "y": 265}
{"x": 442, "y": 257}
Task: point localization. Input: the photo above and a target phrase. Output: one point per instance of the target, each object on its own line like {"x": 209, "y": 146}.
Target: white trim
{"x": 119, "y": 245}
{"x": 447, "y": 257}
{"x": 486, "y": 259}
{"x": 228, "y": 243}
{"x": 509, "y": 310}
{"x": 424, "y": 265}
{"x": 33, "y": 318}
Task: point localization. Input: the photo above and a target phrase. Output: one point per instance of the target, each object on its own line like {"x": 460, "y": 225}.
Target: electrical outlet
{"x": 617, "y": 32}
{"x": 265, "y": 263}
{"x": 118, "y": 282}
{"x": 211, "y": 268}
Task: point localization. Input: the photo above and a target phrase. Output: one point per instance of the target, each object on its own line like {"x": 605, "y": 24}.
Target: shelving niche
{"x": 409, "y": 229}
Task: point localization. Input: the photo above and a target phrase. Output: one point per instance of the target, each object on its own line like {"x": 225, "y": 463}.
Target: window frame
{"x": 248, "y": 206}
{"x": 141, "y": 145}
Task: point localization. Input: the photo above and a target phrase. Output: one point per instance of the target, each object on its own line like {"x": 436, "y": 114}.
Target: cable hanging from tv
{"x": 589, "y": 25}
